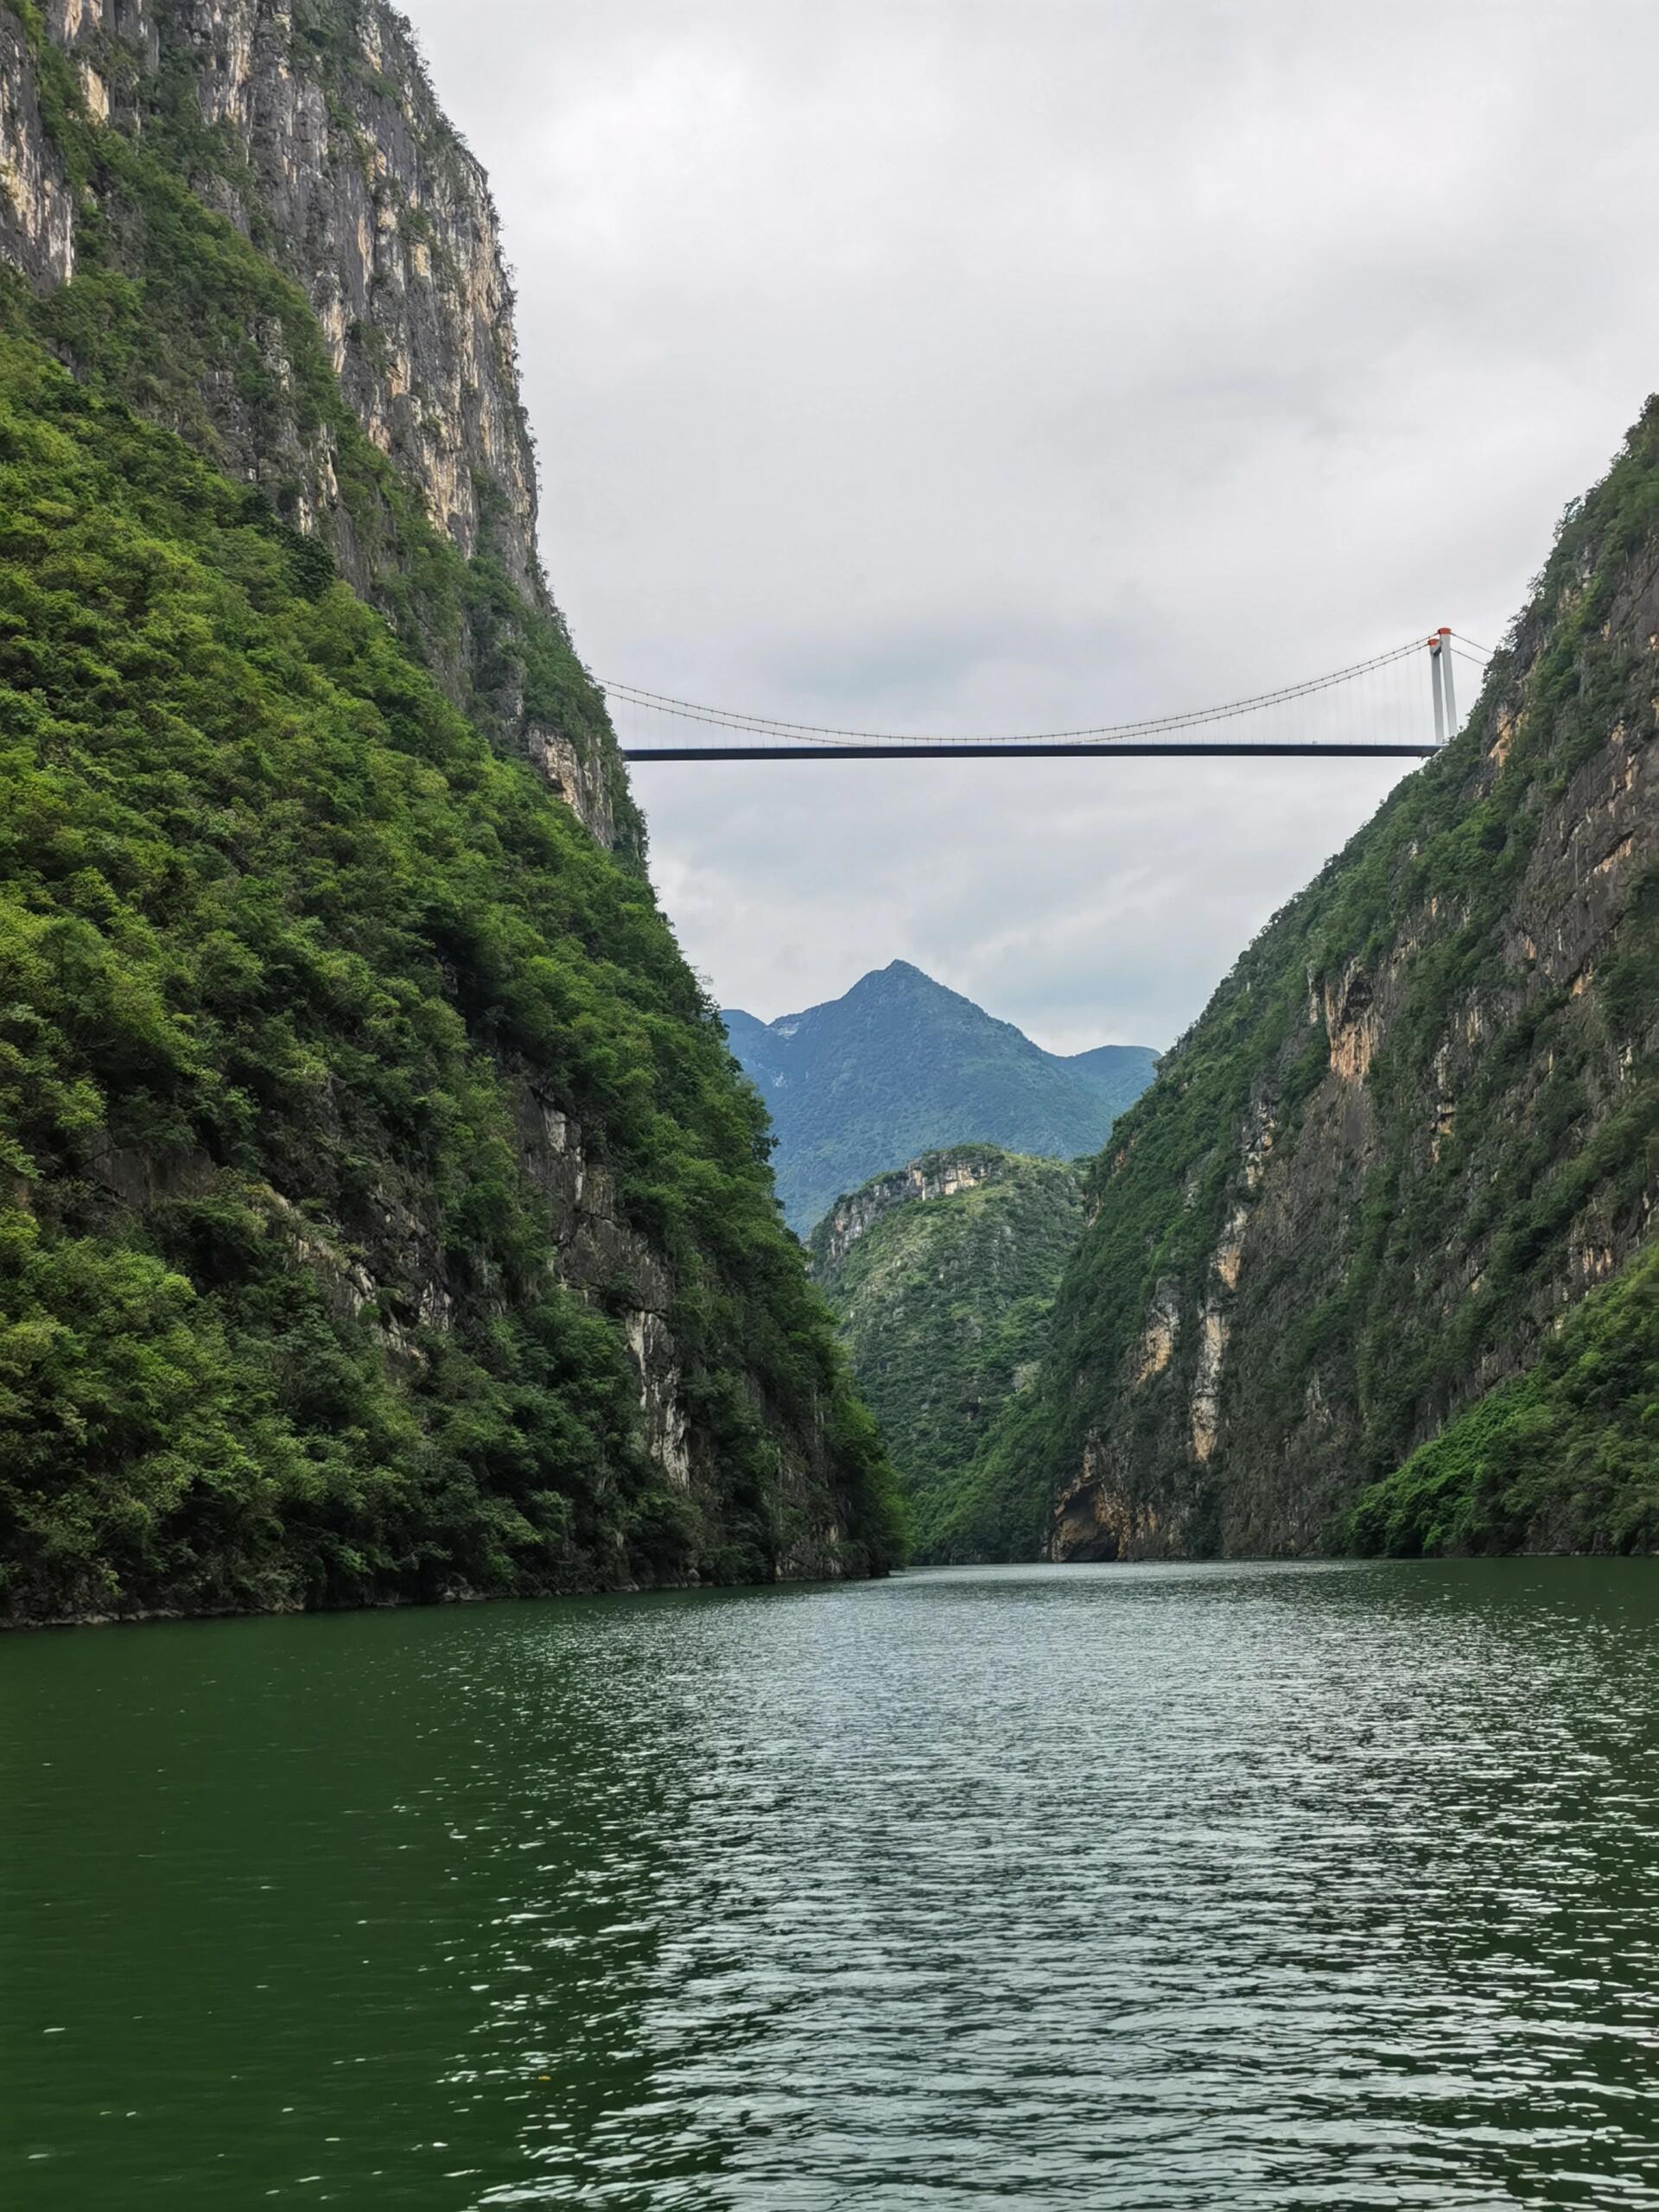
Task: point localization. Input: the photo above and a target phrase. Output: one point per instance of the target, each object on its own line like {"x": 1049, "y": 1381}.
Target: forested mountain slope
{"x": 1414, "y": 1127}
{"x": 381, "y": 1213}
{"x": 900, "y": 1065}
{"x": 1567, "y": 1452}
{"x": 941, "y": 1276}
{"x": 1117, "y": 1073}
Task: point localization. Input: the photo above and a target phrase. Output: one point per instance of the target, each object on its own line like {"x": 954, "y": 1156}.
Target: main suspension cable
{"x": 822, "y": 734}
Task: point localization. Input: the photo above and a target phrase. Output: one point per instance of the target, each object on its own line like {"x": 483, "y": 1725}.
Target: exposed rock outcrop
{"x": 935, "y": 1175}
{"x": 611, "y": 1264}
{"x": 1435, "y": 1076}
{"x": 356, "y": 181}
{"x": 37, "y": 234}
{"x": 310, "y": 127}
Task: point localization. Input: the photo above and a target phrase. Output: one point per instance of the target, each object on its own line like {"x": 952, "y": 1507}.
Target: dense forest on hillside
{"x": 943, "y": 1303}
{"x": 1568, "y": 1453}
{"x": 381, "y": 1213}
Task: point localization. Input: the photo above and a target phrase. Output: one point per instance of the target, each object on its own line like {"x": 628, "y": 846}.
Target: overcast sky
{"x": 969, "y": 364}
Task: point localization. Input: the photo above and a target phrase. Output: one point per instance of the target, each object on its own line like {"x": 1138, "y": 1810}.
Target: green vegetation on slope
{"x": 1566, "y": 1458}
{"x": 275, "y": 920}
{"x": 943, "y": 1305}
{"x": 900, "y": 1065}
{"x": 999, "y": 1510}
{"x": 1117, "y": 1073}
{"x": 175, "y": 311}
{"x": 1406, "y": 1220}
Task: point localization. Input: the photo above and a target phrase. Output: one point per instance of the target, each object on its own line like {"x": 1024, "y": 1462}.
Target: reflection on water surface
{"x": 1242, "y": 1887}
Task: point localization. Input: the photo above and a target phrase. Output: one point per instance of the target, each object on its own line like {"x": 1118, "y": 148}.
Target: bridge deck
{"x": 990, "y": 748}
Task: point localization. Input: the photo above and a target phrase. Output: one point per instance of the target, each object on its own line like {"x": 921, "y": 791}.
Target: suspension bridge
{"x": 1377, "y": 708}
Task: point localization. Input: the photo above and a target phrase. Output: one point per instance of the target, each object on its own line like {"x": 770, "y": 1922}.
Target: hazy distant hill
{"x": 1119, "y": 1072}
{"x": 901, "y": 1066}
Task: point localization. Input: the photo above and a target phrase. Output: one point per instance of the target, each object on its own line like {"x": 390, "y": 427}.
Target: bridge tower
{"x": 1446, "y": 699}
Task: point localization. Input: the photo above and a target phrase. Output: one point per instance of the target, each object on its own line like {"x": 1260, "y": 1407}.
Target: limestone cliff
{"x": 935, "y": 1175}
{"x": 381, "y": 1214}
{"x": 37, "y": 221}
{"x": 309, "y": 127}
{"x": 326, "y": 143}
{"x": 1414, "y": 1127}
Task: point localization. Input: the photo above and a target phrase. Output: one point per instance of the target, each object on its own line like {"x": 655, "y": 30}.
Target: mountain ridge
{"x": 900, "y": 1065}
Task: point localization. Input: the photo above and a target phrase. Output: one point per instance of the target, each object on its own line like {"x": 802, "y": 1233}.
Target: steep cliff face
{"x": 381, "y": 1214}
{"x": 37, "y": 222}
{"x": 1415, "y": 1126}
{"x": 935, "y": 1175}
{"x": 308, "y": 129}
{"x": 1566, "y": 1452}
{"x": 319, "y": 136}
{"x": 941, "y": 1276}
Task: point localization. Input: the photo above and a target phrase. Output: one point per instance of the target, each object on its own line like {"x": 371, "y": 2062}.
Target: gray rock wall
{"x": 309, "y": 125}
{"x": 1359, "y": 1227}
{"x": 36, "y": 209}
{"x": 360, "y": 187}
{"x": 935, "y": 1175}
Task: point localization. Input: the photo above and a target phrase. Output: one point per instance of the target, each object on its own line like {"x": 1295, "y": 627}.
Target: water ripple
{"x": 1124, "y": 1888}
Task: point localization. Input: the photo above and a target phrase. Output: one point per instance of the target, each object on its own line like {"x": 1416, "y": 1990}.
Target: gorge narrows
{"x": 609, "y": 1602}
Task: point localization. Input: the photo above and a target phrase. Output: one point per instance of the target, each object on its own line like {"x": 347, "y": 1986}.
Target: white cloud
{"x": 968, "y": 365}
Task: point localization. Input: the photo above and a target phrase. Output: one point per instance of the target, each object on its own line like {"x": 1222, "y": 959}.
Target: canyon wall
{"x": 1415, "y": 1126}
{"x": 309, "y": 128}
{"x": 381, "y": 1212}
{"x": 941, "y": 1276}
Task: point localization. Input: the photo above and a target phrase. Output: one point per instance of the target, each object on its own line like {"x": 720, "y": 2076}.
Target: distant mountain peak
{"x": 901, "y": 1064}
{"x": 899, "y": 979}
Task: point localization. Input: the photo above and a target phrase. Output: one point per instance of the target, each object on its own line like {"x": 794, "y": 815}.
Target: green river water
{"x": 1249, "y": 1887}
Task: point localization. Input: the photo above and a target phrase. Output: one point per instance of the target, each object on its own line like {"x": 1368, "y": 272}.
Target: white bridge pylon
{"x": 1375, "y": 708}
